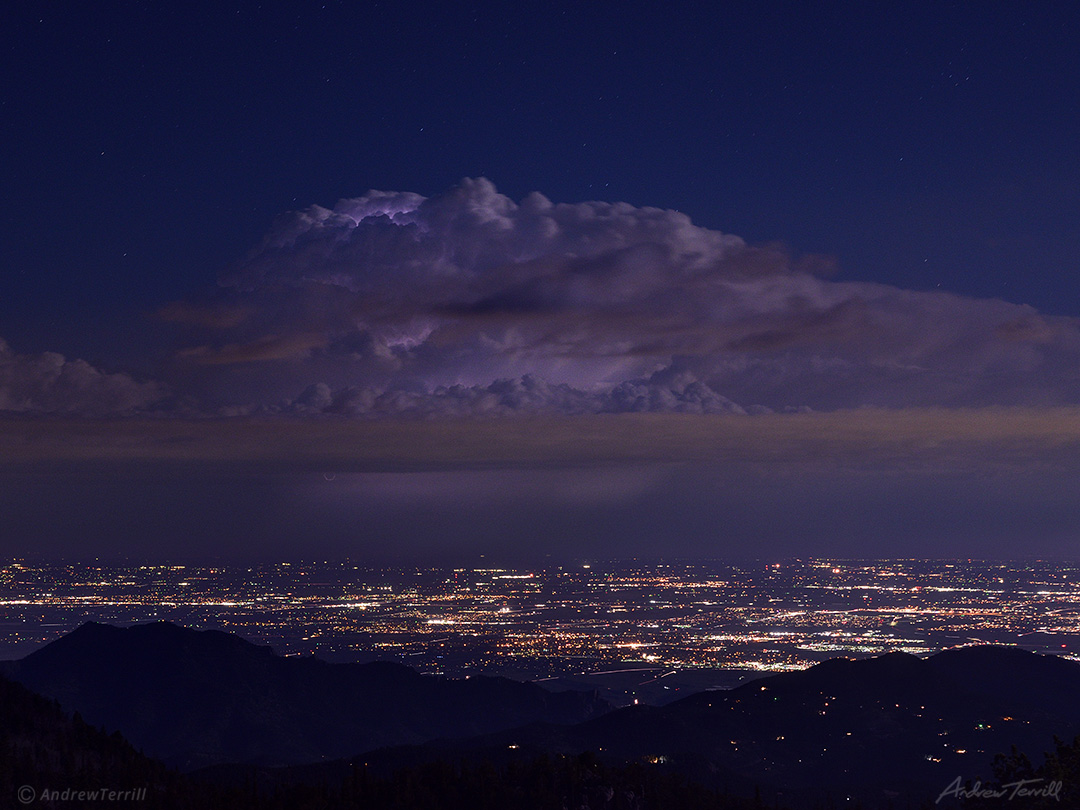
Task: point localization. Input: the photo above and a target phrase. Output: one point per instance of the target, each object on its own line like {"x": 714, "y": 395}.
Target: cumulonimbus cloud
{"x": 393, "y": 302}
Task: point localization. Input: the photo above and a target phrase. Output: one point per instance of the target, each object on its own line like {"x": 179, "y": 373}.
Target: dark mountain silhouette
{"x": 44, "y": 749}
{"x": 890, "y": 729}
{"x": 193, "y": 698}
{"x": 51, "y": 759}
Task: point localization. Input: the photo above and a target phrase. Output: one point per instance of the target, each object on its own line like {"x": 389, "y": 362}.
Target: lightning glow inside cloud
{"x": 471, "y": 303}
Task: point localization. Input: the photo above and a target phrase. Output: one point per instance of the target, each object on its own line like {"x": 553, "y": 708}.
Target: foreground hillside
{"x": 873, "y": 731}
{"x": 44, "y": 750}
{"x": 51, "y": 759}
{"x": 892, "y": 731}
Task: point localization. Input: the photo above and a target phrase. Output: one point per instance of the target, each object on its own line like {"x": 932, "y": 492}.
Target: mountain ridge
{"x": 869, "y": 729}
{"x": 198, "y": 697}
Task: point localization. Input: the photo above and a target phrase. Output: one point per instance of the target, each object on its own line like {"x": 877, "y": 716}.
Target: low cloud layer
{"x": 49, "y": 383}
{"x": 469, "y": 302}
{"x": 912, "y": 440}
{"x": 988, "y": 483}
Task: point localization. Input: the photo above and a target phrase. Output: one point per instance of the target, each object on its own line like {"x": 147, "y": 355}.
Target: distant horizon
{"x": 481, "y": 562}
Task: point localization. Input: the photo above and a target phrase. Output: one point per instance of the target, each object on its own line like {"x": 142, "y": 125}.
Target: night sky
{"x": 429, "y": 281}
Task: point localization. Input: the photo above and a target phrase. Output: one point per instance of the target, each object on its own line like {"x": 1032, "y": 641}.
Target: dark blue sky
{"x": 147, "y": 146}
